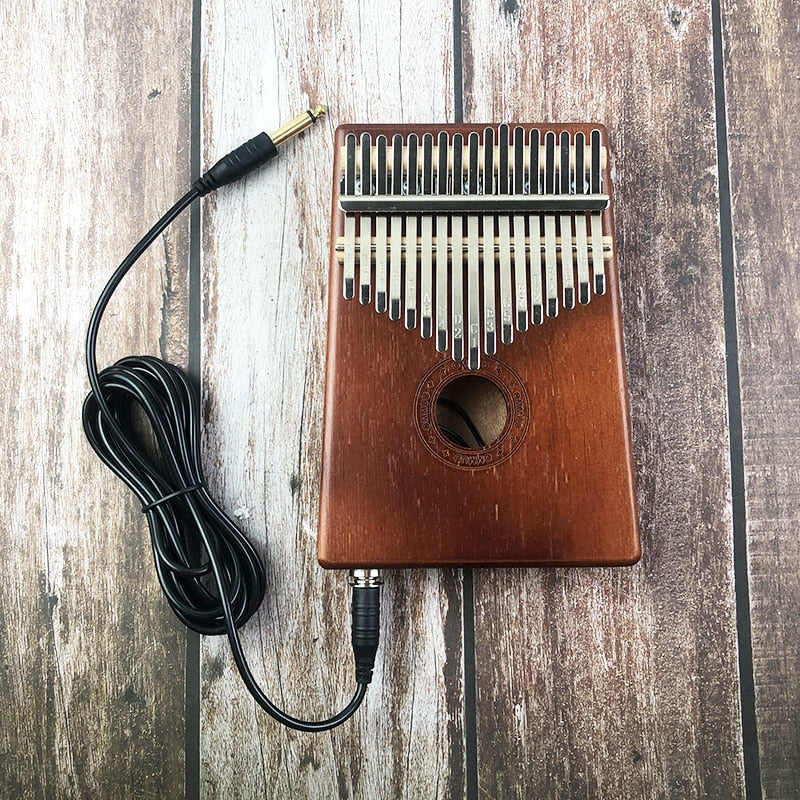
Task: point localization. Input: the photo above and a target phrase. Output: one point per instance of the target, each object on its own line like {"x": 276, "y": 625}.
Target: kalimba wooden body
{"x": 476, "y": 409}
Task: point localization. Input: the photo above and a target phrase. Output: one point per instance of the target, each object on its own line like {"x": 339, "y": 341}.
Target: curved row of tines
{"x": 530, "y": 224}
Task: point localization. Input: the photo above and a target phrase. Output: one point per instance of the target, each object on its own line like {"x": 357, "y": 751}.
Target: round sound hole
{"x": 471, "y": 420}
{"x": 471, "y": 412}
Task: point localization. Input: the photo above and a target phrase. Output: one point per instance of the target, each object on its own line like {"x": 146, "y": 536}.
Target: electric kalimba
{"x": 476, "y": 408}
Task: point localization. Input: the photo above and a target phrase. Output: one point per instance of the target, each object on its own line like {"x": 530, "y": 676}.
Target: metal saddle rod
{"x": 471, "y": 203}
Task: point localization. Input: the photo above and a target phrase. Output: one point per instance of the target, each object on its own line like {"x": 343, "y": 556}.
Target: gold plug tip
{"x": 298, "y": 124}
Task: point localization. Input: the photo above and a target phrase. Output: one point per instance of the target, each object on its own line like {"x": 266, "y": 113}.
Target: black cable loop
{"x": 167, "y": 497}
{"x": 211, "y": 576}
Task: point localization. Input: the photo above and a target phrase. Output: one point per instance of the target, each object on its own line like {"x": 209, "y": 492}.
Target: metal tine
{"x": 598, "y": 266}
{"x": 473, "y": 259}
{"x": 581, "y": 242}
{"x": 442, "y": 171}
{"x": 535, "y": 262}
{"x": 365, "y": 233}
{"x": 520, "y": 260}
{"x": 457, "y": 251}
{"x": 411, "y": 234}
{"x": 565, "y": 225}
{"x": 550, "y": 257}
{"x": 348, "y": 277}
{"x": 504, "y": 240}
{"x": 426, "y": 238}
{"x": 489, "y": 307}
{"x": 396, "y": 231}
{"x": 380, "y": 227}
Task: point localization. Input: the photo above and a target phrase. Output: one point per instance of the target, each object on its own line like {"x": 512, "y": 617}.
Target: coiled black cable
{"x": 170, "y": 486}
{"x": 211, "y": 575}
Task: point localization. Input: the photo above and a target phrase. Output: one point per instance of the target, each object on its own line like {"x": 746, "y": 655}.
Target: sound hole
{"x": 471, "y": 412}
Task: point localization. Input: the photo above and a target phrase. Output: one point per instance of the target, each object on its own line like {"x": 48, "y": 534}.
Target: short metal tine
{"x": 535, "y": 254}
{"x": 581, "y": 240}
{"x": 442, "y": 184}
{"x": 380, "y": 227}
{"x": 411, "y": 234}
{"x": 598, "y": 265}
{"x": 348, "y": 277}
{"x": 473, "y": 260}
{"x": 457, "y": 253}
{"x": 365, "y": 233}
{"x": 426, "y": 240}
{"x": 565, "y": 224}
{"x": 504, "y": 240}
{"x": 488, "y": 270}
{"x": 520, "y": 251}
{"x": 550, "y": 255}
{"x": 396, "y": 233}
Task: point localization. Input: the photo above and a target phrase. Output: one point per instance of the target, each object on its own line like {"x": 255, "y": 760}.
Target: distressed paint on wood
{"x": 265, "y": 246}
{"x": 94, "y": 100}
{"x": 763, "y": 112}
{"x": 92, "y": 661}
{"x": 623, "y": 683}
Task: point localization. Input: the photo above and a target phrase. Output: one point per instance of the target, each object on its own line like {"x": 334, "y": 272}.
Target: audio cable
{"x": 211, "y": 576}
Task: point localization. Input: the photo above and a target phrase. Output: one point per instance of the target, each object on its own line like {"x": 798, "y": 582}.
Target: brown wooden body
{"x": 564, "y": 496}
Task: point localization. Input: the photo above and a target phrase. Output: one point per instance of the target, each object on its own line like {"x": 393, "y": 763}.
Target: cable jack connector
{"x": 365, "y": 577}
{"x": 298, "y": 124}
{"x": 366, "y": 616}
{"x": 254, "y": 153}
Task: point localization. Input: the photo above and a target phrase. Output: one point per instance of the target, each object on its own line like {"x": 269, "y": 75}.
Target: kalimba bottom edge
{"x": 555, "y": 488}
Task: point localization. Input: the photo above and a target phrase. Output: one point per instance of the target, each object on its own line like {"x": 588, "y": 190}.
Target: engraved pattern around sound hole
{"x": 497, "y": 451}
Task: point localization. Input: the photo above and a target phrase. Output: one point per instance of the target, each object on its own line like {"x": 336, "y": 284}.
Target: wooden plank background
{"x": 763, "y": 92}
{"x": 94, "y": 146}
{"x": 623, "y": 683}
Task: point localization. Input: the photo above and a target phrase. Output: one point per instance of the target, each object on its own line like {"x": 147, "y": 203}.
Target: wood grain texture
{"x": 624, "y": 683}
{"x": 94, "y": 100}
{"x": 763, "y": 94}
{"x": 265, "y": 245}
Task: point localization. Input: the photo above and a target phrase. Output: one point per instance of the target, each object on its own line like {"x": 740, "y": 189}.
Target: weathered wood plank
{"x": 94, "y": 99}
{"x": 763, "y": 94}
{"x": 623, "y": 683}
{"x": 266, "y": 245}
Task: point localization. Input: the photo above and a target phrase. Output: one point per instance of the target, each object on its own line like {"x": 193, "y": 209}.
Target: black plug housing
{"x": 366, "y": 616}
{"x": 245, "y": 158}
